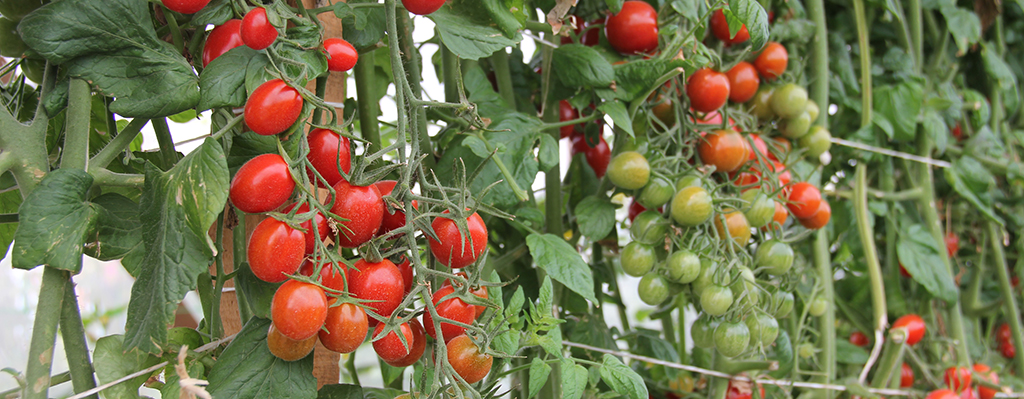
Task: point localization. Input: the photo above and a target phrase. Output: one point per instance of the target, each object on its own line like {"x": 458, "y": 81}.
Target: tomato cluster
{"x": 1004, "y": 339}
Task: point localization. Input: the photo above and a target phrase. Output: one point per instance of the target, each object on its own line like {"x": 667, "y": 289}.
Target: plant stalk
{"x": 1006, "y": 289}
{"x": 499, "y": 62}
{"x": 44, "y": 333}
{"x": 364, "y": 73}
{"x": 827, "y": 321}
{"x": 860, "y": 204}
{"x": 76, "y": 349}
{"x": 865, "y": 63}
{"x": 168, "y": 156}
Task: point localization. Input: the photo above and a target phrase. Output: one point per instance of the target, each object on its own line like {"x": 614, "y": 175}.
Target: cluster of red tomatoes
{"x": 958, "y": 380}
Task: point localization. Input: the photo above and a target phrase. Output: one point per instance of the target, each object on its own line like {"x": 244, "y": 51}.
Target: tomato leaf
{"x": 782, "y": 353}
{"x": 369, "y": 23}
{"x": 113, "y": 363}
{"x": 622, "y": 379}
{"x": 177, "y": 209}
{"x": 581, "y": 66}
{"x": 258, "y": 293}
{"x": 118, "y": 228}
{"x": 216, "y": 12}
{"x": 220, "y": 84}
{"x": 617, "y": 110}
{"x": 899, "y": 105}
{"x": 113, "y": 45}
{"x": 563, "y": 263}
{"x": 919, "y": 254}
{"x": 999, "y": 71}
{"x": 55, "y": 221}
{"x": 247, "y": 369}
{"x": 595, "y": 216}
{"x": 614, "y": 5}
{"x": 9, "y": 203}
{"x": 574, "y": 379}
{"x": 634, "y": 79}
{"x": 973, "y": 182}
{"x": 753, "y": 15}
{"x": 503, "y": 17}
{"x": 936, "y": 128}
{"x": 539, "y": 372}
{"x": 469, "y": 31}
{"x": 547, "y": 152}
{"x": 848, "y": 353}
{"x": 341, "y": 391}
{"x": 963, "y": 24}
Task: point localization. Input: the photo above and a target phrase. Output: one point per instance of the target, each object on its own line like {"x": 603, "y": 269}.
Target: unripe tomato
{"x": 419, "y": 345}
{"x": 906, "y": 376}
{"x": 942, "y": 394}
{"x": 759, "y": 209}
{"x": 566, "y": 112}
{"x": 688, "y": 181}
{"x": 772, "y": 61}
{"x": 715, "y": 300}
{"x": 634, "y": 30}
{"x": 452, "y": 308}
{"x": 727, "y": 150}
{"x": 299, "y": 309}
{"x": 769, "y": 329}
{"x": 657, "y": 192}
{"x": 637, "y": 259}
{"x": 262, "y": 184}
{"x": 653, "y": 289}
{"x": 720, "y": 27}
{"x": 341, "y": 55}
{"x": 378, "y": 282}
{"x": 691, "y": 206}
{"x": 760, "y": 104}
{"x": 774, "y": 256}
{"x": 683, "y": 266}
{"x": 391, "y": 221}
{"x": 958, "y": 378}
{"x": 805, "y": 350}
{"x": 649, "y": 228}
{"x": 795, "y": 127}
{"x": 328, "y": 151}
{"x": 597, "y": 156}
{"x": 812, "y": 109}
{"x": 743, "y": 82}
{"x": 275, "y": 250}
{"x": 816, "y": 142}
{"x": 346, "y": 327}
{"x": 468, "y": 361}
{"x": 629, "y": 170}
{"x": 914, "y": 327}
{"x": 818, "y": 307}
{"x": 986, "y": 374}
{"x": 858, "y": 338}
{"x": 321, "y": 226}
{"x": 185, "y": 6}
{"x": 783, "y": 303}
{"x": 732, "y": 338}
{"x": 272, "y": 108}
{"x": 789, "y": 101}
{"x": 820, "y": 217}
{"x": 221, "y": 39}
{"x": 422, "y": 7}
{"x": 364, "y": 209}
{"x": 453, "y": 249}
{"x": 804, "y": 200}
{"x": 735, "y": 227}
{"x": 288, "y": 349}
{"x": 256, "y": 30}
{"x": 755, "y": 329}
{"x": 707, "y": 90}
{"x": 390, "y": 347}
{"x": 703, "y": 331}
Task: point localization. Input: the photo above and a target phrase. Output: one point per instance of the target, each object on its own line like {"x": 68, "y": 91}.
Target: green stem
{"x": 865, "y": 63}
{"x": 916, "y": 34}
{"x": 505, "y": 172}
{"x": 365, "y": 76}
{"x": 44, "y": 333}
{"x": 55, "y": 380}
{"x": 72, "y": 332}
{"x": 993, "y": 165}
{"x": 321, "y": 88}
{"x": 553, "y": 208}
{"x": 76, "y": 142}
{"x": 450, "y": 70}
{"x": 819, "y": 60}
{"x": 172, "y": 23}
{"x": 216, "y": 324}
{"x": 1006, "y": 289}
{"x": 499, "y": 62}
{"x": 860, "y": 208}
{"x": 118, "y": 144}
{"x": 411, "y": 63}
{"x": 168, "y": 156}
{"x": 827, "y": 340}
{"x": 239, "y": 257}
{"x": 892, "y": 358}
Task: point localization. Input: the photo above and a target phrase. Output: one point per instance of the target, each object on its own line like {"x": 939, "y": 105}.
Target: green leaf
{"x": 547, "y": 153}
{"x": 340, "y": 391}
{"x": 216, "y": 12}
{"x": 581, "y": 66}
{"x": 177, "y": 209}
{"x": 503, "y": 16}
{"x": 919, "y": 254}
{"x": 574, "y": 379}
{"x": 258, "y": 293}
{"x": 247, "y": 369}
{"x": 622, "y": 379}
{"x": 9, "y": 202}
{"x": 999, "y": 71}
{"x": 220, "y": 84}
{"x": 617, "y": 110}
{"x": 369, "y": 23}
{"x": 596, "y": 217}
{"x": 900, "y": 105}
{"x": 307, "y": 63}
{"x": 118, "y": 228}
{"x": 113, "y": 45}
{"x": 468, "y": 32}
{"x": 936, "y": 128}
{"x": 634, "y": 79}
{"x": 783, "y": 353}
{"x": 753, "y": 15}
{"x": 614, "y": 5}
{"x": 972, "y": 181}
{"x": 539, "y": 372}
{"x": 343, "y": 10}
{"x": 112, "y": 363}
{"x": 55, "y": 220}
{"x": 563, "y": 263}
{"x": 848, "y": 353}
{"x": 476, "y": 145}
{"x": 964, "y": 25}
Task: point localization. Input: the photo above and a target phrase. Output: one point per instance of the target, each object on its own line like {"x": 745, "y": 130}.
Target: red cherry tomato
{"x": 262, "y": 184}
{"x": 272, "y": 108}
{"x": 967, "y": 394}
{"x": 904, "y": 272}
{"x": 419, "y": 345}
{"x": 454, "y": 309}
{"x": 783, "y": 145}
{"x": 727, "y": 150}
{"x": 346, "y": 327}
{"x": 743, "y": 82}
{"x": 781, "y": 214}
{"x": 957, "y": 132}
{"x": 598, "y": 156}
{"x": 275, "y": 250}
{"x": 567, "y": 113}
{"x": 592, "y": 36}
{"x": 480, "y": 291}
{"x": 985, "y": 373}
{"x": 256, "y": 30}
{"x": 759, "y": 147}
{"x": 467, "y": 360}
{"x": 742, "y": 390}
{"x": 390, "y": 347}
{"x": 321, "y": 226}
{"x": 720, "y": 27}
{"x": 820, "y": 218}
{"x": 332, "y": 275}
{"x": 634, "y": 30}
{"x": 958, "y": 378}
{"x": 379, "y": 282}
{"x": 328, "y": 151}
{"x": 1007, "y": 349}
{"x": 707, "y": 89}
{"x": 288, "y": 349}
{"x": 772, "y": 61}
{"x": 364, "y": 209}
{"x": 422, "y": 7}
{"x": 804, "y": 200}
{"x": 342, "y": 56}
{"x": 391, "y": 221}
{"x": 859, "y": 339}
{"x": 942, "y": 394}
{"x": 952, "y": 244}
{"x": 914, "y": 325}
{"x": 454, "y": 250}
{"x": 184, "y": 6}
{"x": 906, "y": 376}
{"x": 1003, "y": 333}
{"x": 221, "y": 39}
{"x": 298, "y": 309}
{"x": 635, "y": 209}
{"x": 405, "y": 267}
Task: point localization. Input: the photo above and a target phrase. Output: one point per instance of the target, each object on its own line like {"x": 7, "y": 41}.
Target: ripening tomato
{"x": 986, "y": 374}
{"x": 598, "y": 156}
{"x": 364, "y": 209}
{"x": 311, "y": 236}
{"x": 341, "y": 55}
{"x": 453, "y": 249}
{"x": 914, "y": 326}
{"x": 390, "y": 347}
{"x": 804, "y": 200}
{"x": 958, "y": 378}
{"x": 859, "y": 339}
{"x": 781, "y": 214}
{"x": 299, "y": 309}
{"x": 262, "y": 184}
{"x": 288, "y": 349}
{"x": 942, "y": 394}
{"x": 743, "y": 82}
{"x": 736, "y": 226}
{"x": 256, "y": 30}
{"x": 275, "y": 250}
{"x": 566, "y": 112}
{"x": 820, "y": 217}
{"x": 332, "y": 275}
{"x": 452, "y": 308}
{"x": 185, "y": 6}
{"x": 221, "y": 39}
{"x": 419, "y": 345}
{"x": 906, "y": 376}
{"x": 772, "y": 61}
{"x": 272, "y": 108}
{"x": 422, "y": 7}
{"x": 725, "y": 149}
{"x": 346, "y": 327}
{"x": 952, "y": 244}
{"x": 634, "y": 30}
{"x": 378, "y": 282}
{"x": 328, "y": 151}
{"x": 391, "y": 221}
{"x": 707, "y": 90}
{"x": 467, "y": 359}
{"x": 720, "y": 27}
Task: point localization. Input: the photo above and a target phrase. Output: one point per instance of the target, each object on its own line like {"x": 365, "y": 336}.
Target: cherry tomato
{"x": 346, "y": 327}
{"x": 666, "y": 114}
{"x": 391, "y": 221}
{"x": 812, "y": 109}
{"x": 390, "y": 347}
{"x": 942, "y": 394}
{"x": 720, "y": 27}
{"x": 262, "y": 184}
{"x": 378, "y": 282}
{"x": 653, "y": 289}
{"x": 707, "y": 90}
{"x": 795, "y": 127}
{"x": 683, "y": 266}
{"x": 772, "y": 61}
{"x": 634, "y": 30}
{"x": 288, "y": 349}
{"x": 1007, "y": 349}
{"x": 321, "y": 226}
{"x": 275, "y": 250}
{"x": 759, "y": 209}
{"x": 725, "y": 149}
{"x": 405, "y": 266}
{"x": 256, "y": 30}
{"x": 453, "y": 249}
{"x": 715, "y": 300}
{"x": 703, "y": 331}
{"x": 820, "y": 217}
{"x": 769, "y": 328}
{"x": 649, "y": 228}
{"x": 422, "y": 7}
{"x": 859, "y": 339}
{"x": 781, "y": 214}
{"x": 327, "y": 151}
{"x": 566, "y": 112}
{"x": 804, "y": 200}
{"x": 735, "y": 226}
{"x": 419, "y": 345}
{"x": 743, "y": 82}
{"x": 782, "y": 146}
{"x": 341, "y": 55}
{"x": 957, "y": 132}
{"x": 635, "y": 209}
{"x": 818, "y": 307}
{"x": 731, "y": 338}
{"x": 657, "y": 192}
{"x": 760, "y": 104}
{"x": 986, "y": 374}
{"x": 741, "y": 390}
{"x": 775, "y": 257}
{"x": 957, "y": 378}
{"x": 906, "y": 376}
{"x": 967, "y": 394}
{"x": 691, "y": 206}
{"x": 480, "y": 291}
{"x": 789, "y": 101}
{"x": 637, "y": 259}
{"x": 759, "y": 147}
{"x": 816, "y": 141}
{"x": 1003, "y": 333}
{"x": 185, "y": 6}
{"x": 332, "y": 275}
{"x": 598, "y": 156}
{"x": 299, "y": 309}
{"x": 467, "y": 360}
{"x": 783, "y": 302}
{"x": 914, "y": 326}
{"x": 952, "y": 244}
{"x": 221, "y": 39}
{"x": 592, "y": 36}
{"x": 629, "y": 170}
{"x": 452, "y": 308}
{"x": 364, "y": 209}
{"x": 272, "y": 108}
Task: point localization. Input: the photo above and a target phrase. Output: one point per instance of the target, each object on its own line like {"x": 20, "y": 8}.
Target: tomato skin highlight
{"x": 598, "y": 156}
{"x": 914, "y": 326}
{"x": 275, "y": 250}
{"x": 422, "y": 7}
{"x": 772, "y": 61}
{"x": 634, "y": 30}
{"x": 906, "y": 376}
{"x": 720, "y": 28}
{"x": 328, "y": 150}
{"x": 707, "y": 90}
{"x": 346, "y": 328}
{"x": 454, "y": 250}
{"x": 343, "y": 56}
{"x": 221, "y": 39}
{"x": 727, "y": 150}
{"x": 262, "y": 184}
{"x": 272, "y": 108}
{"x": 379, "y": 282}
{"x": 418, "y": 346}
{"x": 390, "y": 347}
{"x": 364, "y": 209}
{"x": 452, "y": 308}
{"x": 299, "y": 309}
{"x": 743, "y": 82}
{"x": 288, "y": 349}
{"x": 467, "y": 360}
{"x": 321, "y": 226}
{"x": 804, "y": 200}
{"x": 256, "y": 30}
{"x": 185, "y": 6}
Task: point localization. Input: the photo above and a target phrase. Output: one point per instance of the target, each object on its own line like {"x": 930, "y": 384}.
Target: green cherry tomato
{"x": 732, "y": 338}
{"x": 689, "y": 181}
{"x": 783, "y": 302}
{"x": 683, "y": 266}
{"x": 795, "y": 127}
{"x": 788, "y": 101}
{"x": 812, "y": 109}
{"x": 703, "y": 331}
{"x": 629, "y": 170}
{"x": 761, "y": 106}
{"x": 653, "y": 288}
{"x": 716, "y": 299}
{"x": 691, "y": 206}
{"x": 637, "y": 259}
{"x": 816, "y": 142}
{"x": 759, "y": 209}
{"x": 774, "y": 256}
{"x": 745, "y": 289}
{"x": 754, "y": 325}
{"x": 657, "y": 192}
{"x": 805, "y": 350}
{"x": 769, "y": 328}
{"x": 818, "y": 307}
{"x": 706, "y": 276}
{"x": 649, "y": 227}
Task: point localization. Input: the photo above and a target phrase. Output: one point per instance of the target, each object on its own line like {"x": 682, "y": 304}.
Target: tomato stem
{"x": 499, "y": 63}
{"x": 72, "y": 333}
{"x": 1006, "y": 289}
{"x": 168, "y": 156}
{"x": 365, "y": 77}
{"x": 827, "y": 321}
{"x": 44, "y": 333}
{"x": 860, "y": 202}
{"x": 118, "y": 144}
{"x": 865, "y": 63}
{"x": 891, "y": 360}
